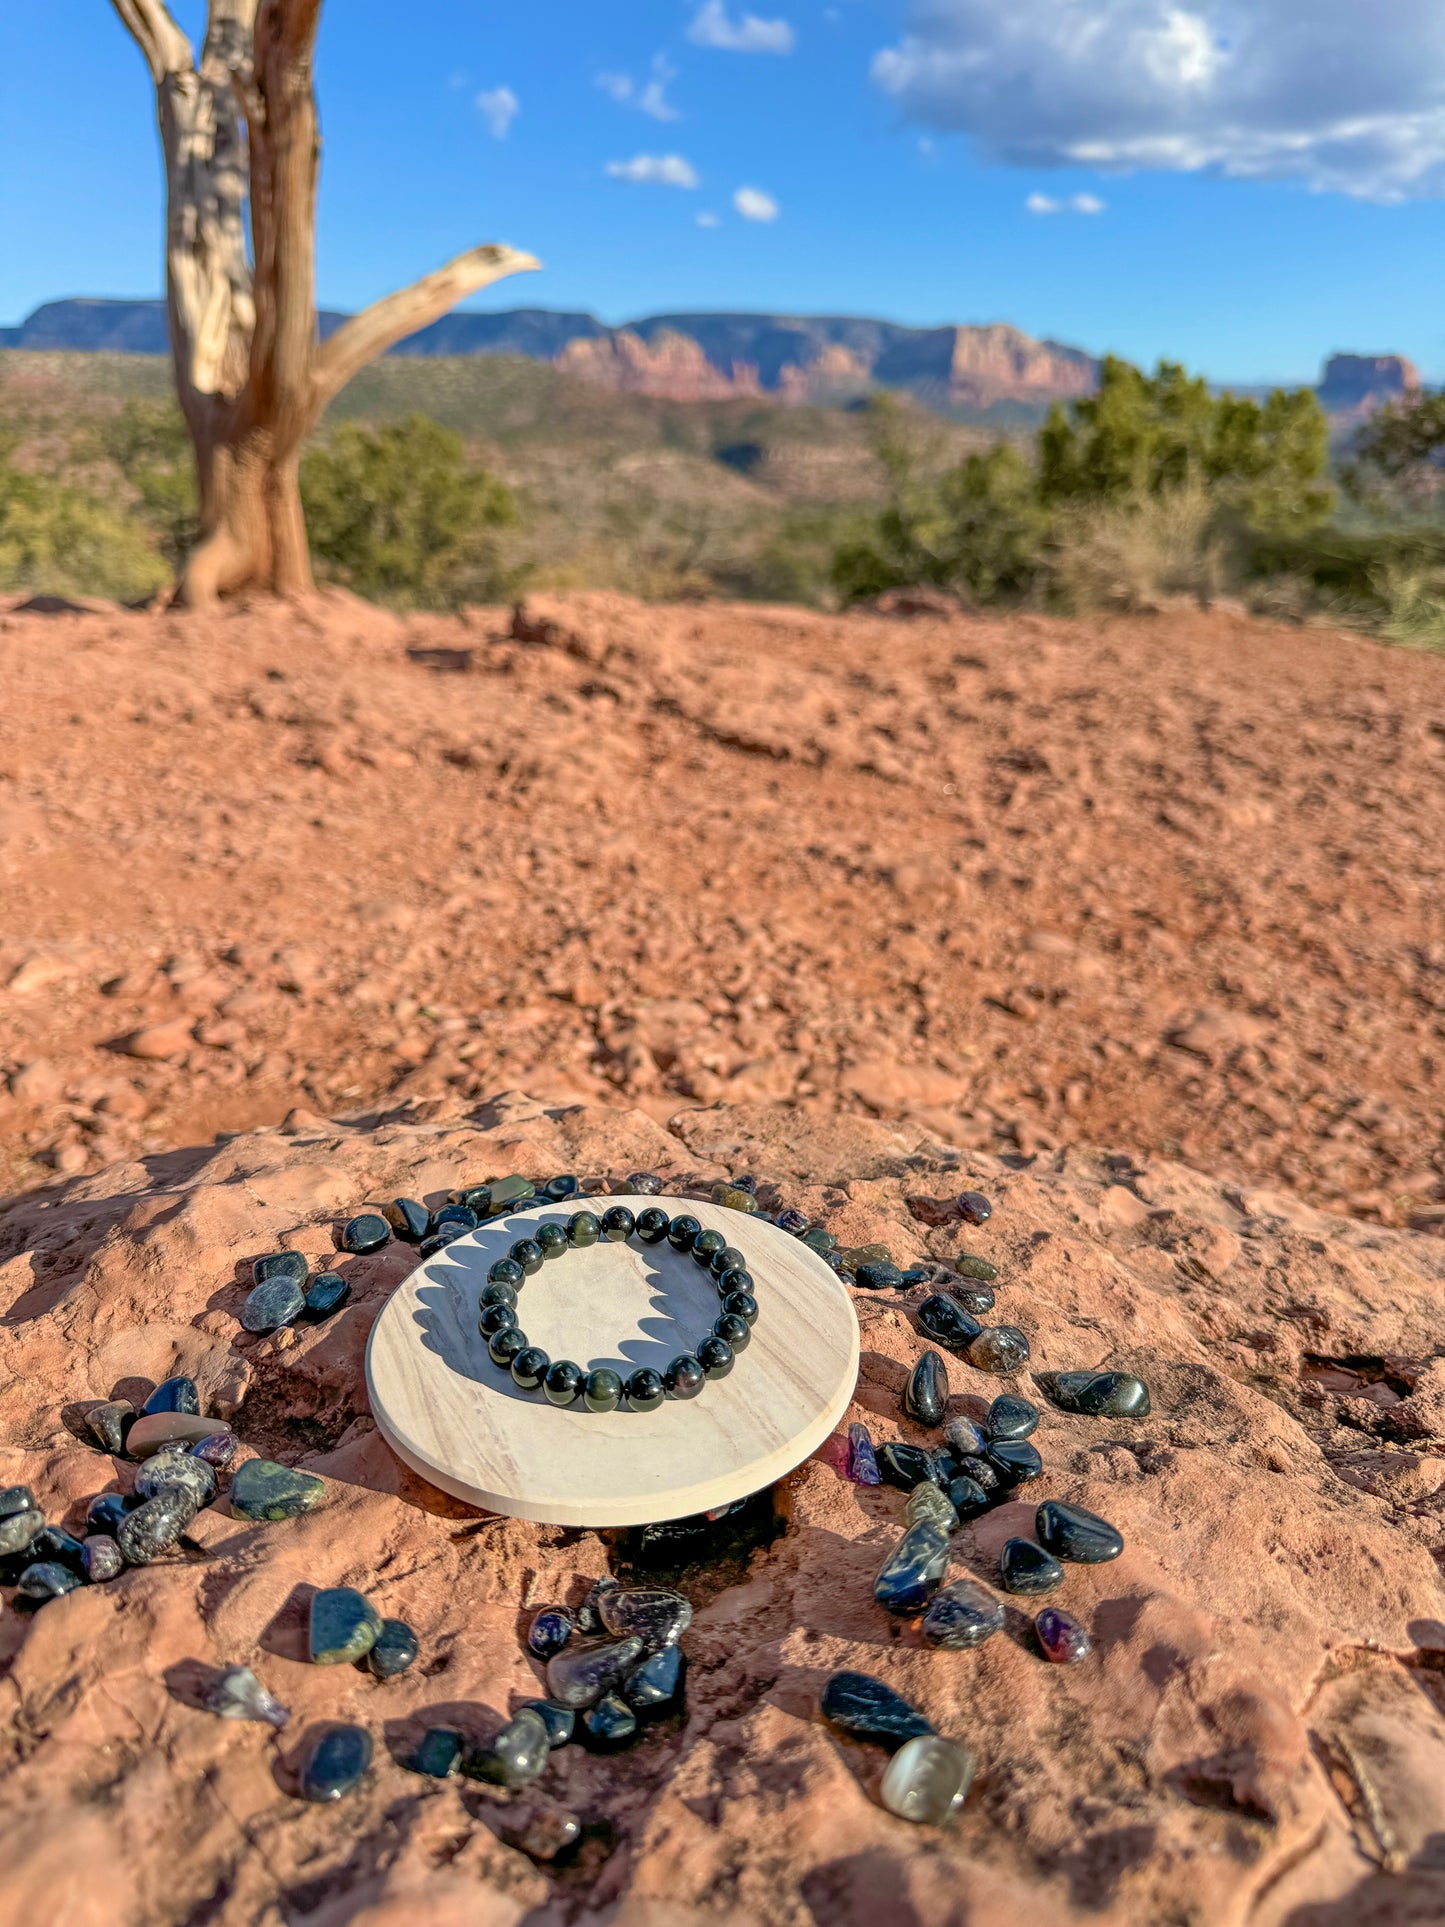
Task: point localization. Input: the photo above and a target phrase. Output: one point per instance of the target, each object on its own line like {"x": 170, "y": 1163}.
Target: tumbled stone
{"x": 849, "y": 1257}
{"x": 926, "y": 1501}
{"x": 1012, "y": 1417}
{"x": 967, "y": 1497}
{"x": 865, "y": 1708}
{"x": 335, "y": 1760}
{"x": 969, "y": 1266}
{"x": 344, "y": 1626}
{"x": 177, "y": 1471}
{"x": 558, "y": 1720}
{"x": 565, "y": 1185}
{"x": 878, "y": 1274}
{"x": 435, "y": 1754}
{"x": 904, "y": 1465}
{"x": 515, "y": 1757}
{"x": 962, "y": 1615}
{"x": 394, "y": 1650}
{"x": 1027, "y": 1568}
{"x": 645, "y": 1184}
{"x": 1017, "y": 1460}
{"x": 270, "y": 1305}
{"x": 55, "y": 1543}
{"x": 982, "y": 1471}
{"x": 327, "y": 1292}
{"x": 945, "y": 1319}
{"x": 453, "y": 1219}
{"x": 368, "y": 1231}
{"x": 818, "y": 1238}
{"x": 177, "y": 1394}
{"x": 974, "y": 1207}
{"x": 1098, "y": 1394}
{"x": 926, "y": 1780}
{"x": 410, "y": 1220}
{"x": 1062, "y": 1639}
{"x": 589, "y": 1613}
{"x": 105, "y": 1512}
{"x": 964, "y": 1438}
{"x": 237, "y": 1694}
{"x": 439, "y": 1240}
{"x": 655, "y": 1615}
{"x": 926, "y": 1396}
{"x": 261, "y": 1489}
{"x": 155, "y": 1526}
{"x": 975, "y": 1299}
{"x": 732, "y": 1199}
{"x": 18, "y": 1529}
{"x": 102, "y": 1558}
{"x": 862, "y": 1459}
{"x": 47, "y": 1579}
{"x": 281, "y": 1264}
{"x": 610, "y": 1724}
{"x": 579, "y": 1677}
{"x": 110, "y": 1423}
{"x": 17, "y": 1498}
{"x": 1070, "y": 1532}
{"x": 160, "y": 1430}
{"x": 999, "y": 1348}
{"x": 217, "y": 1448}
{"x": 549, "y": 1631}
{"x": 912, "y": 1571}
{"x": 656, "y": 1685}
{"x": 507, "y": 1194}
{"x": 541, "y": 1829}
{"x": 794, "y": 1222}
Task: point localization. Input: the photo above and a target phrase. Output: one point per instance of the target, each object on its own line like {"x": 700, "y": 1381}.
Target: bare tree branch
{"x": 166, "y": 48}
{"x": 290, "y": 25}
{"x": 377, "y": 328}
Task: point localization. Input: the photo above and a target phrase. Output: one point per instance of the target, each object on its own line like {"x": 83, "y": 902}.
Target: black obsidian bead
{"x": 506, "y": 1271}
{"x": 563, "y": 1383}
{"x": 645, "y": 1389}
{"x": 793, "y": 1222}
{"x": 618, "y": 1223}
{"x": 705, "y": 1244}
{"x": 602, "y": 1391}
{"x": 1017, "y": 1460}
{"x": 499, "y": 1291}
{"x": 684, "y": 1377}
{"x": 1011, "y": 1417}
{"x": 409, "y": 1220}
{"x": 529, "y": 1368}
{"x": 682, "y": 1230}
{"x": 733, "y": 1331}
{"x": 728, "y": 1259}
{"x": 742, "y": 1304}
{"x": 565, "y": 1186}
{"x": 715, "y": 1356}
{"x": 527, "y": 1253}
{"x": 457, "y": 1214}
{"x": 552, "y": 1239}
{"x": 736, "y": 1278}
{"x": 496, "y": 1318}
{"x": 174, "y": 1395}
{"x": 583, "y": 1228}
{"x": 505, "y": 1345}
{"x": 652, "y": 1225}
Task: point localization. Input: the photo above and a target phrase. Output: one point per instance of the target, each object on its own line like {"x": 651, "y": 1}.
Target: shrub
{"x": 1130, "y": 554}
{"x": 150, "y": 445}
{"x": 58, "y": 540}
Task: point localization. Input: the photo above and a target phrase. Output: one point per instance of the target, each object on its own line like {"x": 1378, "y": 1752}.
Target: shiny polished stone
{"x": 458, "y": 1217}
{"x": 174, "y": 1395}
{"x": 732, "y": 1198}
{"x": 508, "y": 1194}
{"x": 975, "y": 1299}
{"x": 735, "y": 1280}
{"x": 500, "y": 1291}
{"x": 368, "y": 1231}
{"x": 618, "y": 1223}
{"x": 962, "y": 1615}
{"x": 791, "y": 1221}
{"x": 1017, "y": 1460}
{"x": 327, "y": 1292}
{"x": 105, "y": 1512}
{"x": 47, "y": 1579}
{"x": 1062, "y": 1639}
{"x": 169, "y": 1471}
{"x": 926, "y": 1397}
{"x": 682, "y": 1230}
{"x": 657, "y": 1616}
{"x": 563, "y": 1383}
{"x": 983, "y": 1472}
{"x": 1070, "y": 1532}
{"x": 912, "y": 1571}
{"x": 964, "y": 1438}
{"x": 652, "y": 1225}
{"x": 551, "y": 1240}
{"x": 974, "y": 1207}
{"x": 927, "y": 1503}
{"x": 589, "y": 1613}
{"x": 344, "y": 1626}
{"x": 968, "y": 1266}
{"x": 558, "y": 1188}
{"x": 153, "y": 1528}
{"x": 644, "y": 1389}
{"x": 728, "y": 1259}
{"x": 862, "y": 1460}
{"x": 583, "y": 1228}
{"x": 602, "y": 1390}
{"x": 272, "y": 1305}
{"x": 159, "y": 1431}
{"x": 740, "y": 1304}
{"x": 734, "y": 1331}
{"x": 110, "y": 1422}
{"x": 439, "y": 1240}
{"x": 646, "y": 1184}
{"x": 336, "y": 1757}
{"x": 1098, "y": 1394}
{"x": 878, "y": 1274}
{"x": 820, "y": 1240}
{"x": 503, "y": 1346}
{"x": 410, "y": 1221}
{"x": 529, "y": 1367}
{"x": 281, "y": 1264}
{"x": 609, "y": 1724}
{"x": 102, "y": 1558}
{"x": 395, "y": 1648}
{"x": 237, "y": 1694}
{"x": 864, "y": 1708}
{"x": 706, "y": 1246}
{"x": 656, "y": 1686}
{"x": 55, "y": 1543}
{"x": 505, "y": 1271}
{"x": 850, "y": 1257}
{"x": 477, "y": 1197}
{"x": 945, "y": 1319}
{"x": 967, "y": 1497}
{"x": 549, "y": 1631}
{"x": 1012, "y": 1417}
{"x": 715, "y": 1356}
{"x": 580, "y": 1676}
{"x": 560, "y": 1721}
{"x": 496, "y": 1318}
{"x": 905, "y": 1465}
{"x": 436, "y": 1753}
{"x": 1027, "y": 1568}
{"x": 516, "y": 1756}
{"x": 261, "y": 1489}
{"x": 999, "y": 1348}
{"x": 927, "y": 1780}
{"x": 217, "y": 1448}
{"x": 527, "y": 1253}
{"x": 684, "y": 1377}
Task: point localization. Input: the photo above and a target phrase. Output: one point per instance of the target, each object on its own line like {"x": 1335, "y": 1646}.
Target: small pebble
{"x": 237, "y": 1694}
{"x": 927, "y": 1779}
{"x": 110, "y": 1423}
{"x": 816, "y": 1238}
{"x": 878, "y": 1274}
{"x": 658, "y": 1617}
{"x": 945, "y": 1319}
{"x": 864, "y": 1708}
{"x": 862, "y": 1460}
{"x": 155, "y": 1526}
{"x": 1072, "y": 1533}
{"x": 1098, "y": 1394}
{"x": 968, "y": 1266}
{"x": 974, "y": 1207}
{"x": 558, "y": 1188}
{"x": 62, "y": 1547}
{"x": 975, "y": 1299}
{"x": 508, "y": 1194}
{"x": 1061, "y": 1638}
{"x": 646, "y": 1184}
{"x": 849, "y": 1257}
{"x": 964, "y": 1438}
{"x": 395, "y": 1648}
{"x": 962, "y": 1615}
{"x": 999, "y": 1348}
{"x": 102, "y": 1558}
{"x": 174, "y": 1395}
{"x": 926, "y": 1397}
{"x": 656, "y": 1686}
{"x": 1012, "y": 1417}
{"x": 589, "y": 1613}
{"x": 733, "y": 1199}
{"x": 327, "y": 1292}
{"x": 927, "y": 1502}
{"x": 791, "y": 1221}
{"x": 177, "y": 1471}
{"x": 261, "y": 1489}
{"x": 516, "y": 1757}
{"x": 344, "y": 1626}
{"x": 967, "y": 1497}
{"x": 281, "y": 1264}
{"x": 105, "y": 1512}
{"x": 559, "y": 1721}
{"x": 439, "y": 1240}
{"x": 983, "y": 1472}
{"x": 436, "y": 1753}
{"x": 336, "y": 1758}
{"x": 609, "y": 1724}
{"x": 270, "y": 1305}
{"x": 1017, "y": 1460}
{"x": 912, "y": 1571}
{"x": 217, "y": 1448}
{"x": 47, "y": 1579}
{"x": 365, "y": 1233}
{"x": 409, "y": 1220}
{"x": 549, "y": 1632}
{"x": 580, "y": 1678}
{"x": 1027, "y": 1568}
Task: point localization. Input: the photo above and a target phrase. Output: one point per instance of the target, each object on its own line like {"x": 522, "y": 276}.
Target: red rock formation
{"x": 671, "y": 366}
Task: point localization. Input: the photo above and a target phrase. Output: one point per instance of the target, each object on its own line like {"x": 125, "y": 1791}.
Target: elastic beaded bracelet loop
{"x": 562, "y": 1382}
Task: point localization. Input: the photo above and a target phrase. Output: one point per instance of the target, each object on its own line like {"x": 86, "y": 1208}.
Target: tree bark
{"x": 240, "y": 127}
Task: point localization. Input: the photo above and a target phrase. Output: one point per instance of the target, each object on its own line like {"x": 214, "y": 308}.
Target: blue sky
{"x": 1244, "y": 185}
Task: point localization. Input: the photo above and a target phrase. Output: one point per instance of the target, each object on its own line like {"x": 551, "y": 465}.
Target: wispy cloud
{"x": 648, "y": 98}
{"x": 707, "y": 220}
{"x": 754, "y": 205}
{"x": 714, "y": 26}
{"x": 1069, "y": 204}
{"x": 655, "y": 170}
{"x": 499, "y": 108}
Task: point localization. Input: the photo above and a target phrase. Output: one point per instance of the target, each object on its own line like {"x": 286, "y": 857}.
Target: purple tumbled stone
{"x": 219, "y": 1449}
{"x": 862, "y": 1461}
{"x": 974, "y": 1207}
{"x": 1061, "y": 1638}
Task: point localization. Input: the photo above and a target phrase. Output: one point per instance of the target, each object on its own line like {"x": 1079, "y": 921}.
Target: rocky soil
{"x": 1259, "y": 1735}
{"x": 1171, "y": 885}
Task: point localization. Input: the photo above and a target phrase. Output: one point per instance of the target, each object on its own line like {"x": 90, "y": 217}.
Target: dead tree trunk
{"x": 240, "y": 126}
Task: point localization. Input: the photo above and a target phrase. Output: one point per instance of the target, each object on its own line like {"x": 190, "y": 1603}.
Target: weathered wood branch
{"x": 379, "y": 327}
{"x": 165, "y": 47}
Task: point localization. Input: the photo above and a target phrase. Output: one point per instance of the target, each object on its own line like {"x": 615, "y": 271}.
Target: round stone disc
{"x": 457, "y": 1419}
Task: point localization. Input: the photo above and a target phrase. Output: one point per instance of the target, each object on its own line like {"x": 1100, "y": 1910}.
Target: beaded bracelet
{"x": 603, "y": 1390}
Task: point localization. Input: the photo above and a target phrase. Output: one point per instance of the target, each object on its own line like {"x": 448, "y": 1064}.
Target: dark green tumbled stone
{"x": 436, "y": 1753}
{"x": 281, "y": 1264}
{"x": 962, "y": 1615}
{"x": 945, "y": 1319}
{"x": 563, "y": 1383}
{"x": 926, "y": 1397}
{"x": 583, "y": 1228}
{"x": 509, "y": 1193}
{"x": 327, "y": 1292}
{"x": 865, "y": 1708}
{"x": 174, "y": 1395}
{"x": 581, "y": 1675}
{"x": 602, "y": 1390}
{"x": 911, "y": 1573}
{"x": 551, "y": 1240}
{"x": 1069, "y": 1532}
{"x": 879, "y": 1275}
{"x": 110, "y": 1423}
{"x": 1012, "y": 1417}
{"x": 527, "y": 1253}
{"x": 344, "y": 1626}
{"x": 820, "y": 1240}
{"x": 682, "y": 1230}
{"x": 609, "y": 1724}
{"x": 999, "y": 1348}
{"x": 46, "y": 1579}
{"x": 477, "y": 1197}
{"x": 1098, "y": 1394}
{"x": 335, "y": 1760}
{"x": 1026, "y": 1568}
{"x": 394, "y": 1649}
{"x": 558, "y": 1188}
{"x": 656, "y": 1686}
{"x": 967, "y": 1266}
{"x": 368, "y": 1231}
{"x": 155, "y": 1526}
{"x": 558, "y": 1720}
{"x": 260, "y": 1489}
{"x": 505, "y": 1345}
{"x": 529, "y": 1368}
{"x": 272, "y": 1305}
{"x": 410, "y": 1221}
{"x": 732, "y": 1197}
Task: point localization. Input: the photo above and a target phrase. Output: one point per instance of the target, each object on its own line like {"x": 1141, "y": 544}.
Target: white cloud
{"x": 707, "y": 220}
{"x": 499, "y": 109}
{"x": 1086, "y": 204}
{"x": 650, "y": 97}
{"x": 713, "y": 26}
{"x": 1073, "y": 204}
{"x": 1337, "y": 94}
{"x": 655, "y": 170}
{"x": 754, "y": 205}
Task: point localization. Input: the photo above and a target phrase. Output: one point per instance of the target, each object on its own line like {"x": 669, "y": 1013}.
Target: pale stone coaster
{"x": 457, "y": 1419}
